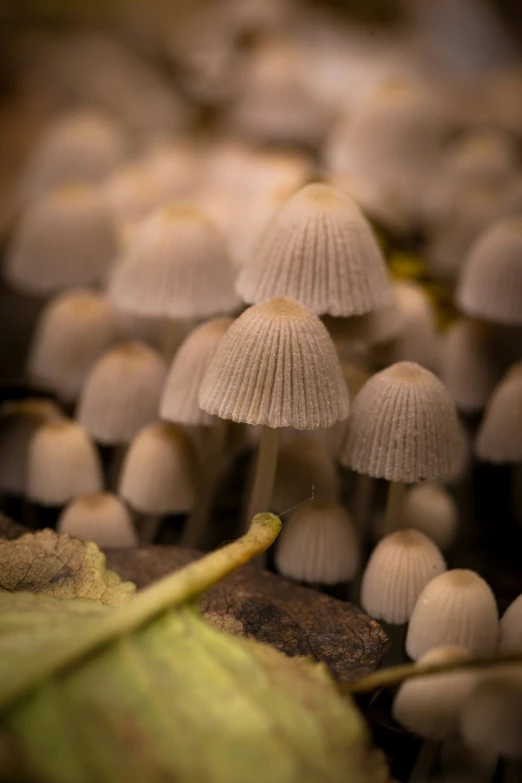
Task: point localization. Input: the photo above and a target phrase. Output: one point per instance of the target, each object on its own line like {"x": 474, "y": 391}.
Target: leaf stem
{"x": 177, "y": 588}
{"x": 385, "y": 678}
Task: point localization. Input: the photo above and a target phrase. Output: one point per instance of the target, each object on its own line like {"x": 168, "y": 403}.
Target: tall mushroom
{"x": 276, "y": 367}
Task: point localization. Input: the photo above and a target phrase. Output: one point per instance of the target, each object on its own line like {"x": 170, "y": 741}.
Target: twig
{"x": 386, "y": 677}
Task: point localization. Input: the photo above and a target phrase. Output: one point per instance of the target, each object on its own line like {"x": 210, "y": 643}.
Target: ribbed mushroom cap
{"x": 318, "y": 545}
{"x": 456, "y": 607}
{"x": 18, "y": 423}
{"x": 416, "y": 338}
{"x": 432, "y": 510}
{"x": 176, "y": 266}
{"x": 511, "y": 626}
{"x": 72, "y": 331}
{"x": 403, "y": 426}
{"x": 492, "y": 716}
{"x": 100, "y": 517}
{"x": 122, "y": 392}
{"x": 180, "y": 398}
{"x": 77, "y": 147}
{"x": 63, "y": 463}
{"x": 320, "y": 250}
{"x": 468, "y": 368}
{"x": 276, "y": 366}
{"x": 65, "y": 239}
{"x": 499, "y": 438}
{"x": 304, "y": 467}
{"x": 158, "y": 473}
{"x": 399, "y": 568}
{"x": 490, "y": 283}
{"x": 431, "y": 706}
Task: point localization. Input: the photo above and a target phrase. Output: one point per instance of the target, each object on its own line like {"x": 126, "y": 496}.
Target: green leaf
{"x": 149, "y": 692}
{"x": 60, "y": 566}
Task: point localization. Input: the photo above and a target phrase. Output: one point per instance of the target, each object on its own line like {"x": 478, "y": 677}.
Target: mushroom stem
{"x": 147, "y": 526}
{"x": 264, "y": 477}
{"x": 363, "y": 498}
{"x": 394, "y": 506}
{"x": 517, "y": 491}
{"x": 213, "y": 465}
{"x": 396, "y": 655}
{"x": 425, "y": 759}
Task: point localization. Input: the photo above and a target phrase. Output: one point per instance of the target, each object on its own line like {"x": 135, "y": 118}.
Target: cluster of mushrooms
{"x": 207, "y": 295}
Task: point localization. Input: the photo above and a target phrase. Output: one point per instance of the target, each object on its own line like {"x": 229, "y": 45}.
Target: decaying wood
{"x": 255, "y": 603}
{"x": 271, "y": 609}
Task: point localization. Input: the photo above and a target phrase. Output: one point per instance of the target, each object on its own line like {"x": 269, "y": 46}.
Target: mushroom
{"x": 399, "y": 568}
{"x": 320, "y": 250}
{"x": 276, "y": 367}
{"x": 511, "y": 626}
{"x": 100, "y": 517}
{"x": 490, "y": 283}
{"x": 499, "y": 438}
{"x": 432, "y": 510}
{"x": 63, "y": 463}
{"x": 457, "y": 607}
{"x": 432, "y": 706}
{"x": 468, "y": 366}
{"x": 176, "y": 267}
{"x": 73, "y": 330}
{"x": 121, "y": 393}
{"x": 64, "y": 239}
{"x": 318, "y": 544}
{"x": 18, "y": 423}
{"x": 403, "y": 427}
{"x": 158, "y": 476}
{"x": 81, "y": 146}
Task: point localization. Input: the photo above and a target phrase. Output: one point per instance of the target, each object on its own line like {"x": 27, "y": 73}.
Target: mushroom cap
{"x": 431, "y": 706}
{"x": 511, "y": 626}
{"x": 65, "y": 239}
{"x": 158, "y": 473}
{"x": 457, "y": 607}
{"x": 18, "y": 422}
{"x": 276, "y": 366}
{"x": 432, "y": 510}
{"x": 63, "y": 463}
{"x": 318, "y": 544}
{"x": 492, "y": 716}
{"x": 468, "y": 368}
{"x": 403, "y": 426}
{"x": 81, "y": 146}
{"x": 320, "y": 250}
{"x": 176, "y": 266}
{"x": 100, "y": 517}
{"x": 180, "y": 398}
{"x": 121, "y": 393}
{"x": 490, "y": 283}
{"x": 73, "y": 330}
{"x": 499, "y": 438}
{"x": 416, "y": 338}
{"x": 399, "y": 568}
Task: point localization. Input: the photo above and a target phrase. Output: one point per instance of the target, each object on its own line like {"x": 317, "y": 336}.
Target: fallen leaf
{"x": 60, "y": 566}
{"x": 148, "y": 691}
